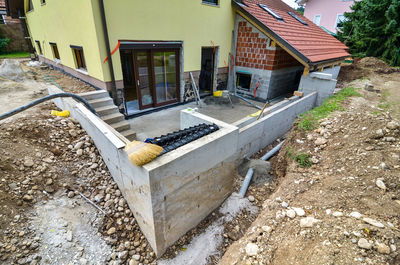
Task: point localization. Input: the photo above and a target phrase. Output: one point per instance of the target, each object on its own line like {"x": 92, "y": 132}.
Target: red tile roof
{"x": 311, "y": 43}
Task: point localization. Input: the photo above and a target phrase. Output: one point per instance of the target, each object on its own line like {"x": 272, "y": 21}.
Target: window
{"x": 269, "y": 11}
{"x": 317, "y": 20}
{"x": 43, "y": 2}
{"x": 243, "y": 81}
{"x": 79, "y": 58}
{"x": 39, "y": 47}
{"x": 210, "y": 2}
{"x": 297, "y": 18}
{"x": 30, "y": 5}
{"x": 339, "y": 21}
{"x": 56, "y": 54}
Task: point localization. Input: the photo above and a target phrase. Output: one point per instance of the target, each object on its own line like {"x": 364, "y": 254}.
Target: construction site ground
{"x": 59, "y": 204}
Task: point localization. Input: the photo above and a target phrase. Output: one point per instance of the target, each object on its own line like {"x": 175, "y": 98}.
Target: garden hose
{"x": 40, "y": 100}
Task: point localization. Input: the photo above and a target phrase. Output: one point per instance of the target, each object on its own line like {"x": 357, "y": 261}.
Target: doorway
{"x": 207, "y": 72}
{"x": 151, "y": 78}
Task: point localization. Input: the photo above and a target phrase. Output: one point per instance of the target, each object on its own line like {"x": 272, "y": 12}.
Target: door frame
{"x": 215, "y": 64}
{"x": 152, "y": 86}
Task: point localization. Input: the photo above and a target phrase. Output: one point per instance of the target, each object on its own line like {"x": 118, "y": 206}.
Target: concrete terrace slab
{"x": 168, "y": 120}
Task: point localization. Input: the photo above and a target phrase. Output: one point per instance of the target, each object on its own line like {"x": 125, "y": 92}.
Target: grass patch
{"x": 15, "y": 55}
{"x": 303, "y": 159}
{"x": 309, "y": 120}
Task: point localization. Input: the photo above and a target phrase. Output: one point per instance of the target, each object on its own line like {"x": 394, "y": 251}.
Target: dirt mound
{"x": 376, "y": 65}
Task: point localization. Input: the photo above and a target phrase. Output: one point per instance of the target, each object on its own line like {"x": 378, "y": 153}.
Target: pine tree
{"x": 373, "y": 29}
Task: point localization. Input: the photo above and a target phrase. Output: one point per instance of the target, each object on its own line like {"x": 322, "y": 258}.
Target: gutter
{"x": 110, "y": 63}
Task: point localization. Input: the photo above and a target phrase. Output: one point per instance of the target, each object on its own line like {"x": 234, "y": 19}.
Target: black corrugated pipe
{"x": 110, "y": 64}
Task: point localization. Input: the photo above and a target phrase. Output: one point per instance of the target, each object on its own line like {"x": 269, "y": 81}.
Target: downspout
{"x": 110, "y": 63}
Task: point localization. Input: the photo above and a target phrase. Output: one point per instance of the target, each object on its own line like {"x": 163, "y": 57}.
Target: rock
{"x": 71, "y": 194}
{"x": 79, "y": 152}
{"x": 389, "y": 139}
{"x": 111, "y": 231}
{"x": 68, "y": 236}
{"x": 373, "y": 222}
{"x": 49, "y": 182}
{"x": 267, "y": 229}
{"x": 78, "y": 145}
{"x": 251, "y": 198}
{"x": 337, "y": 214}
{"x": 356, "y": 215}
{"x": 251, "y": 249}
{"x": 363, "y": 243}
{"x": 136, "y": 257}
{"x": 28, "y": 162}
{"x": 369, "y": 87}
{"x": 382, "y": 248}
{"x": 392, "y": 125}
{"x": 123, "y": 255}
{"x": 379, "y": 133}
{"x": 393, "y": 248}
{"x": 308, "y": 222}
{"x": 83, "y": 261}
{"x": 320, "y": 141}
{"x": 291, "y": 213}
{"x": 133, "y": 262}
{"x": 379, "y": 182}
{"x": 284, "y": 204}
{"x": 299, "y": 212}
{"x": 94, "y": 166}
{"x": 27, "y": 198}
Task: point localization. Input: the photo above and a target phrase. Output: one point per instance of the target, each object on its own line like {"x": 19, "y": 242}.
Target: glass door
{"x": 165, "y": 64}
{"x": 144, "y": 79}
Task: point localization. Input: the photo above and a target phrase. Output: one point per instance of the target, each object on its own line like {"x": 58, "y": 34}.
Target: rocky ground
{"x": 59, "y": 204}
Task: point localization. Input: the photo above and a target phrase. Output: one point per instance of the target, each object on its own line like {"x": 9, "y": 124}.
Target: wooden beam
{"x": 272, "y": 38}
{"x": 306, "y": 71}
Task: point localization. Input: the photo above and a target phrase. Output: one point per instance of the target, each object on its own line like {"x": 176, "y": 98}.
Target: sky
{"x": 291, "y": 3}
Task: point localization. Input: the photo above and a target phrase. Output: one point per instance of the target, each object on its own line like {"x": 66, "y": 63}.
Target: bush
{"x": 3, "y": 45}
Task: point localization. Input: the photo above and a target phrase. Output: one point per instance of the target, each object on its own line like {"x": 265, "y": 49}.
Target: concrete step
{"x": 121, "y": 126}
{"x": 101, "y": 102}
{"x": 113, "y": 118}
{"x": 129, "y": 134}
{"x": 94, "y": 94}
{"x": 107, "y": 110}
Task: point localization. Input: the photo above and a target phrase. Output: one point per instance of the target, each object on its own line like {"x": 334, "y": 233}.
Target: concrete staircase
{"x": 109, "y": 113}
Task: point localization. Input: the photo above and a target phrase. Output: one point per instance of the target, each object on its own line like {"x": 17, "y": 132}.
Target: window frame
{"x": 30, "y": 6}
{"x": 337, "y": 20}
{"x": 55, "y": 50}
{"x": 80, "y": 63}
{"x": 210, "y": 3}
{"x": 39, "y": 47}
{"x": 320, "y": 19}
{"x": 42, "y": 2}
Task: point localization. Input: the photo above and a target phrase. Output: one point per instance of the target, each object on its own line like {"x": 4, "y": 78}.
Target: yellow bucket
{"x": 218, "y": 93}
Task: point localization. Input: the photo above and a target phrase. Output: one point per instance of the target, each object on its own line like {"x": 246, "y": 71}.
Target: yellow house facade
{"x": 156, "y": 44}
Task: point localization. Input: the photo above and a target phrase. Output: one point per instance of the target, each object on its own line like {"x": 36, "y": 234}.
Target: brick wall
{"x": 254, "y": 51}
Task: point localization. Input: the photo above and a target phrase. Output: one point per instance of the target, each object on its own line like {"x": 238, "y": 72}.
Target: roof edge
{"x": 278, "y": 38}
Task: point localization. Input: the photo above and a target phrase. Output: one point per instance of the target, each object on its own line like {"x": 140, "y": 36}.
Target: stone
{"x": 71, "y": 194}
{"x": 284, "y": 204}
{"x": 320, "y": 141}
{"x": 251, "y": 198}
{"x": 379, "y": 182}
{"x": 28, "y": 198}
{"x": 299, "y": 212}
{"x": 28, "y": 162}
{"x": 111, "y": 231}
{"x": 308, "y": 222}
{"x": 68, "y": 236}
{"x": 79, "y": 152}
{"x": 251, "y": 249}
{"x": 393, "y": 248}
{"x": 356, "y": 215}
{"x": 49, "y": 182}
{"x": 363, "y": 243}
{"x": 78, "y": 145}
{"x": 392, "y": 125}
{"x": 291, "y": 213}
{"x": 379, "y": 133}
{"x": 369, "y": 87}
{"x": 337, "y": 214}
{"x": 382, "y": 248}
{"x": 373, "y": 222}
{"x": 133, "y": 262}
{"x": 267, "y": 229}
{"x": 136, "y": 257}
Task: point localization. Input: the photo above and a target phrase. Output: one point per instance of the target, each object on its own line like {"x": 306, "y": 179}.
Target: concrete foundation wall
{"x": 320, "y": 82}
{"x": 263, "y": 132}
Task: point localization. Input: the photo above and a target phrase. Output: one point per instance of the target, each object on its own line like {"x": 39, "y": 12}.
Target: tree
{"x": 373, "y": 29}
{"x": 300, "y": 9}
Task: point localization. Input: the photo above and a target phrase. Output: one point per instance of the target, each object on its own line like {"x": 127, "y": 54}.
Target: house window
{"x": 39, "y": 47}
{"x": 243, "y": 81}
{"x": 56, "y": 54}
{"x": 79, "y": 57}
{"x": 210, "y": 2}
{"x": 43, "y": 2}
{"x": 339, "y": 21}
{"x": 30, "y": 5}
{"x": 317, "y": 20}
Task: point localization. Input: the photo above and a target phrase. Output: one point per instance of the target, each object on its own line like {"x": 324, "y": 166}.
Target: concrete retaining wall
{"x": 320, "y": 82}
{"x": 15, "y": 34}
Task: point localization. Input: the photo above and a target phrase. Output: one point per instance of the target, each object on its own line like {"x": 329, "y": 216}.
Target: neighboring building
{"x": 326, "y": 13}
{"x": 157, "y": 43}
{"x": 4, "y": 19}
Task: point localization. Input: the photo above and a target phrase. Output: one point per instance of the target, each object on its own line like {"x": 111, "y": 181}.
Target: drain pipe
{"x": 107, "y": 42}
{"x": 247, "y": 101}
{"x": 250, "y": 172}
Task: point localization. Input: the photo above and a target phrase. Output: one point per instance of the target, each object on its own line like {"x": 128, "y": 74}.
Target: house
{"x": 142, "y": 52}
{"x": 326, "y": 13}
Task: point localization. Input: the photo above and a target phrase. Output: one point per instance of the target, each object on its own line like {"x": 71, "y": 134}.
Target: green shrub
{"x": 3, "y": 45}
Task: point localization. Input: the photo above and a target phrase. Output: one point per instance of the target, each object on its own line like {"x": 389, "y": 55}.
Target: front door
{"x": 155, "y": 75}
